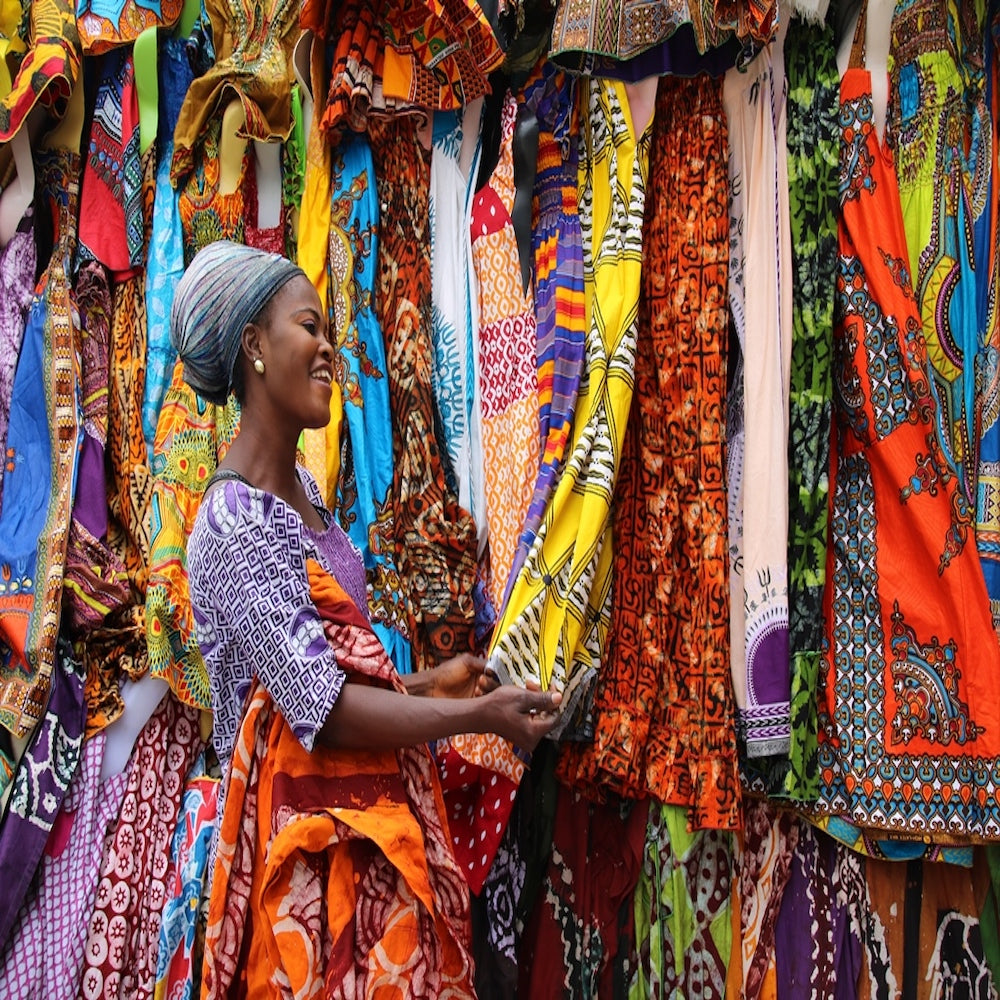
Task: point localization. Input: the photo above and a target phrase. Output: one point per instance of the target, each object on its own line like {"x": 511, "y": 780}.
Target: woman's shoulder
{"x": 231, "y": 505}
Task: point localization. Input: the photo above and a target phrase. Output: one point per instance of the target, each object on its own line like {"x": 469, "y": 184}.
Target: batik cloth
{"x": 42, "y": 778}
{"x": 43, "y": 441}
{"x": 559, "y": 292}
{"x": 909, "y": 738}
{"x": 333, "y": 873}
{"x": 761, "y": 303}
{"x": 192, "y": 437}
{"x": 435, "y": 538}
{"x": 363, "y": 501}
{"x": 580, "y": 931}
{"x": 938, "y": 120}
{"x": 111, "y": 223}
{"x": 165, "y": 258}
{"x": 683, "y": 925}
{"x": 508, "y": 369}
{"x": 554, "y": 624}
{"x": 665, "y": 722}
{"x": 761, "y": 863}
{"x": 457, "y": 350}
{"x": 254, "y": 619}
{"x": 44, "y": 954}
{"x": 922, "y": 934}
{"x": 817, "y": 954}
{"x": 48, "y": 73}
{"x": 812, "y": 142}
{"x": 253, "y": 51}
{"x": 123, "y": 932}
{"x": 178, "y": 963}
{"x": 17, "y": 276}
{"x": 105, "y": 24}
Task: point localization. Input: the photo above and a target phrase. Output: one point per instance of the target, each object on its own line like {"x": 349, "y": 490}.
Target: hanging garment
{"x": 40, "y": 465}
{"x": 333, "y": 872}
{"x": 813, "y": 138}
{"x": 909, "y": 722}
{"x": 761, "y": 303}
{"x": 44, "y": 954}
{"x": 192, "y": 437}
{"x": 181, "y": 945}
{"x": 17, "y": 277}
{"x": 816, "y": 955}
{"x": 560, "y": 307}
{"x": 364, "y": 489}
{"x": 105, "y": 24}
{"x": 555, "y": 620}
{"x": 124, "y": 928}
{"x": 435, "y": 538}
{"x": 393, "y": 59}
{"x": 253, "y": 51}
{"x": 927, "y": 940}
{"x": 663, "y": 703}
{"x": 48, "y": 73}
{"x": 43, "y": 775}
{"x": 581, "y": 930}
{"x": 940, "y": 128}
{"x": 507, "y": 370}
{"x": 165, "y": 258}
{"x": 683, "y": 925}
{"x": 454, "y": 160}
{"x": 111, "y": 224}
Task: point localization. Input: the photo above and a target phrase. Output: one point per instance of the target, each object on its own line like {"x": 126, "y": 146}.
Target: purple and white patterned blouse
{"x": 253, "y": 614}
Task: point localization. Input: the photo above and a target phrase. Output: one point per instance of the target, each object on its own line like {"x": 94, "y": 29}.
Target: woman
{"x": 334, "y": 872}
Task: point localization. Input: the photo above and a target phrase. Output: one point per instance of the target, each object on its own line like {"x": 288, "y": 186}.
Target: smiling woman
{"x": 322, "y": 742}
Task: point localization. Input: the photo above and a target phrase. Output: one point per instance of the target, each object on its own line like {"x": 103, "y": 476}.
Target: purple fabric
{"x": 253, "y": 614}
{"x": 675, "y": 56}
{"x": 43, "y": 776}
{"x": 18, "y": 261}
{"x": 44, "y": 955}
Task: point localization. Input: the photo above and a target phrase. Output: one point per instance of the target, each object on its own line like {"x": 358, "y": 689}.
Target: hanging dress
{"x": 909, "y": 737}
{"x": 940, "y": 128}
{"x": 556, "y": 616}
{"x": 663, "y": 702}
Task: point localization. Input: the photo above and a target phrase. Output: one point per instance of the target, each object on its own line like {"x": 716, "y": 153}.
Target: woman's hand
{"x": 519, "y": 715}
{"x": 463, "y": 676}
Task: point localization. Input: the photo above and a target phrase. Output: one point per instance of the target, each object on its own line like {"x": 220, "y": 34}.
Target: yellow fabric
{"x": 10, "y": 41}
{"x": 557, "y": 612}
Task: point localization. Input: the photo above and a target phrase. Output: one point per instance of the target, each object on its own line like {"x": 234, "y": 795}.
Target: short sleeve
{"x": 253, "y": 613}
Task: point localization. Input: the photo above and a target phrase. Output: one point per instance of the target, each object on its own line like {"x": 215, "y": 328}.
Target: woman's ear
{"x": 250, "y": 341}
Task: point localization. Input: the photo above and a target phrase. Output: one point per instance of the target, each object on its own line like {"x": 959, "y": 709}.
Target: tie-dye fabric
{"x": 554, "y": 624}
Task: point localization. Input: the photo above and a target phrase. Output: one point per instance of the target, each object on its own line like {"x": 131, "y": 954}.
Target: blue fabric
{"x": 367, "y": 416}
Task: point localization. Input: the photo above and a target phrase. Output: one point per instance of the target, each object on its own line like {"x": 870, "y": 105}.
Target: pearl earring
{"x": 258, "y": 366}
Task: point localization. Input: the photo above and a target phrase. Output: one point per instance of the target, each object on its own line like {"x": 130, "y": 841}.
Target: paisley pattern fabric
{"x": 663, "y": 703}
{"x": 555, "y": 621}
{"x": 105, "y": 24}
{"x": 906, "y": 685}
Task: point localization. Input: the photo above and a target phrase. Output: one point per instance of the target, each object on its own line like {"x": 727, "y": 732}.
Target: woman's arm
{"x": 374, "y": 718}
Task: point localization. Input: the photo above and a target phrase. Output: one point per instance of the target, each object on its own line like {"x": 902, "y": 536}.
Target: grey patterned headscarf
{"x": 224, "y": 288}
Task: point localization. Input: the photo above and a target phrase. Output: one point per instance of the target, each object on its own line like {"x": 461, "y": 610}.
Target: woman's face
{"x": 297, "y": 354}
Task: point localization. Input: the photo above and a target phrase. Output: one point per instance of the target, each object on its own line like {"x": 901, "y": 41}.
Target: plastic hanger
{"x": 147, "y": 88}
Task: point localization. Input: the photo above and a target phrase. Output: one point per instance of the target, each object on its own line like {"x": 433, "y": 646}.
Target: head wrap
{"x": 224, "y": 288}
